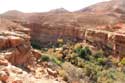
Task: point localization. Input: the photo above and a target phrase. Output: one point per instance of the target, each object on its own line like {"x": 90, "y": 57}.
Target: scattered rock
{"x": 3, "y": 62}
{"x": 3, "y": 76}
{"x": 51, "y": 72}
{"x": 15, "y": 41}
{"x": 36, "y": 53}
{"x": 17, "y": 81}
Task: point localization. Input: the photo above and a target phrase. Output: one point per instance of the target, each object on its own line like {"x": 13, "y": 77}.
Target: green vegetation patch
{"x": 95, "y": 65}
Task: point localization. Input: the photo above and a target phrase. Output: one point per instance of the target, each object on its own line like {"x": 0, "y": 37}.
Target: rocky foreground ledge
{"x": 16, "y": 54}
{"x": 15, "y": 50}
{"x": 15, "y": 47}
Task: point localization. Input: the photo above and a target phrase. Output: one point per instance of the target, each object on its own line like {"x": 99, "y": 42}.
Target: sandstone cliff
{"x": 18, "y": 58}
{"x": 48, "y": 27}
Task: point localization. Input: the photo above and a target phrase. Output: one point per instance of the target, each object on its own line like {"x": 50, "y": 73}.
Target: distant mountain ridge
{"x": 11, "y": 12}
{"x": 59, "y": 10}
{"x": 106, "y": 7}
{"x": 100, "y": 13}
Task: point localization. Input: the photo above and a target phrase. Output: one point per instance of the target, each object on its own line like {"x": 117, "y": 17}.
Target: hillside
{"x": 106, "y": 7}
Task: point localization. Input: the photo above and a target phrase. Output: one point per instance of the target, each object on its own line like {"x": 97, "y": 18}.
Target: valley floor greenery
{"x": 97, "y": 67}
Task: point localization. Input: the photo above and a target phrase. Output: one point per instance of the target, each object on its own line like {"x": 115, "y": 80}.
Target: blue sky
{"x": 44, "y": 5}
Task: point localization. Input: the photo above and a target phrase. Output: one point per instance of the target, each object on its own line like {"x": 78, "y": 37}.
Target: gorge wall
{"x": 46, "y": 29}
{"x": 112, "y": 42}
{"x": 46, "y": 34}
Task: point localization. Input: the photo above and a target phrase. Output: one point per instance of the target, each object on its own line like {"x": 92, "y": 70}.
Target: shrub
{"x": 80, "y": 62}
{"x": 91, "y": 70}
{"x": 89, "y": 52}
{"x": 35, "y": 44}
{"x": 102, "y": 61}
{"x": 56, "y": 61}
{"x": 50, "y": 58}
{"x": 78, "y": 46}
{"x": 44, "y": 58}
{"x": 83, "y": 52}
{"x": 111, "y": 76}
{"x": 122, "y": 61}
{"x": 99, "y": 54}
{"x": 63, "y": 73}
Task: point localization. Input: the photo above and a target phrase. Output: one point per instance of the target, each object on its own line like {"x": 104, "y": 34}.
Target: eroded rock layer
{"x": 15, "y": 47}
{"x": 17, "y": 57}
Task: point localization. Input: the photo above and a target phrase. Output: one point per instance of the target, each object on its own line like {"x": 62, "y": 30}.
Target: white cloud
{"x": 44, "y": 5}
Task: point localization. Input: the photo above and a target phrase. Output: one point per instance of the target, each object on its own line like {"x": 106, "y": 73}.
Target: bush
{"x": 78, "y": 46}
{"x": 56, "y": 61}
{"x": 35, "y": 44}
{"x": 111, "y": 76}
{"x": 50, "y": 58}
{"x": 99, "y": 54}
{"x": 83, "y": 52}
{"x": 101, "y": 61}
{"x": 122, "y": 61}
{"x": 63, "y": 73}
{"x": 91, "y": 70}
{"x": 44, "y": 58}
{"x": 80, "y": 62}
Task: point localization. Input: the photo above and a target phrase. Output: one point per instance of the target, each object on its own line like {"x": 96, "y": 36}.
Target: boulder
{"x": 3, "y": 42}
{"x": 52, "y": 72}
{"x": 36, "y": 53}
{"x": 3, "y": 62}
{"x": 17, "y": 81}
{"x": 15, "y": 41}
{"x": 3, "y": 76}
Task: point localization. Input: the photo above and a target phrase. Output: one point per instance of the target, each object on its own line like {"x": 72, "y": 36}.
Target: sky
{"x": 44, "y": 5}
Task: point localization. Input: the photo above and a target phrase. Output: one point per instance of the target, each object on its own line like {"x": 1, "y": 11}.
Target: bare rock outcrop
{"x": 113, "y": 43}
{"x": 15, "y": 47}
{"x": 12, "y": 74}
{"x": 17, "y": 56}
{"x": 15, "y": 42}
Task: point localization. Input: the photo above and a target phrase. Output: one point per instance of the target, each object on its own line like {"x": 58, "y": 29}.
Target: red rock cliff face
{"x": 15, "y": 47}
{"x": 48, "y": 33}
{"x": 113, "y": 43}
{"x": 16, "y": 54}
{"x": 15, "y": 43}
{"x": 48, "y": 28}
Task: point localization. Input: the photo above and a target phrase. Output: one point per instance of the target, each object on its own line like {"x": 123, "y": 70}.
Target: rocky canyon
{"x": 100, "y": 26}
